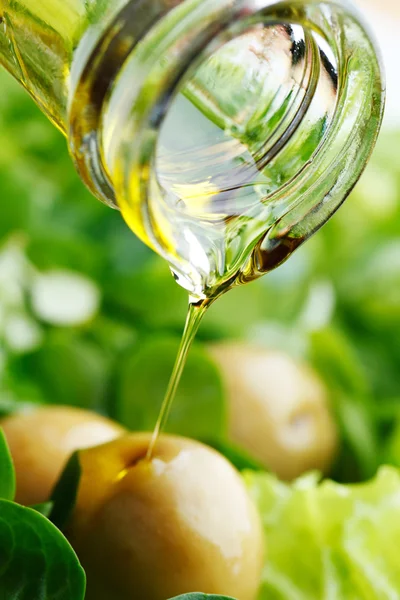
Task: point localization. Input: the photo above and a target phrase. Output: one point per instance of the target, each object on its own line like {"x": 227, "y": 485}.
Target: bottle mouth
{"x": 268, "y": 92}
{"x": 229, "y": 132}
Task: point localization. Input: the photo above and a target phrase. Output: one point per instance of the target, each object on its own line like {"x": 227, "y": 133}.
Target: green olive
{"x": 42, "y": 441}
{"x": 278, "y": 409}
{"x": 155, "y": 529}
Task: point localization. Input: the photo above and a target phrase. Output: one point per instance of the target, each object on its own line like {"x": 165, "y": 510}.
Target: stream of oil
{"x": 194, "y": 318}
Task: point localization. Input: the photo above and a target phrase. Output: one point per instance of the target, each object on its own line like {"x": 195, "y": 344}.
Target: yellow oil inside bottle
{"x": 235, "y": 135}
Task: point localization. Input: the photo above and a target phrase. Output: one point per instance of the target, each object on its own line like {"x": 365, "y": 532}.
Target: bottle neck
{"x": 39, "y": 41}
{"x": 127, "y": 74}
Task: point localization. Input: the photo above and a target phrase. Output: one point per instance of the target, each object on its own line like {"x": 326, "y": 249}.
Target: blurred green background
{"x": 90, "y": 317}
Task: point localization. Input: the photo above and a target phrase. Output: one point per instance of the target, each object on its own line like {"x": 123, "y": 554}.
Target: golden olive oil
{"x": 233, "y": 139}
{"x": 195, "y": 315}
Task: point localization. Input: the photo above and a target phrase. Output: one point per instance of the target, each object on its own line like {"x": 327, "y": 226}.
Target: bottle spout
{"x": 39, "y": 41}
{"x": 37, "y": 57}
{"x": 7, "y": 55}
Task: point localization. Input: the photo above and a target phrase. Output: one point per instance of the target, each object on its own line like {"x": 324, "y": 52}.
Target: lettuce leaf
{"x": 328, "y": 541}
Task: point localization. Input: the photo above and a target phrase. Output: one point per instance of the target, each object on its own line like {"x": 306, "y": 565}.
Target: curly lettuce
{"x": 327, "y": 541}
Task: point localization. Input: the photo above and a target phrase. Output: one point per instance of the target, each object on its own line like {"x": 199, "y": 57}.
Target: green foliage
{"x": 149, "y": 295}
{"x": 65, "y": 493}
{"x": 328, "y": 540}
{"x": 71, "y": 370}
{"x": 7, "y": 473}
{"x": 238, "y": 457}
{"x": 37, "y": 561}
{"x": 334, "y": 356}
{"x": 392, "y": 448}
{"x": 198, "y": 410}
{"x": 201, "y": 597}
{"x": 44, "y": 509}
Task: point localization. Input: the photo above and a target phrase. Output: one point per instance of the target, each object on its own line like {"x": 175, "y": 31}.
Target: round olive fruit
{"x": 42, "y": 441}
{"x": 154, "y": 529}
{"x": 278, "y": 409}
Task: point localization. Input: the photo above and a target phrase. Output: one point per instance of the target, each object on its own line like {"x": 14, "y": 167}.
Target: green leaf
{"x": 235, "y": 313}
{"x": 18, "y": 393}
{"x": 335, "y": 358}
{"x": 359, "y": 433}
{"x": 199, "y": 408}
{"x": 44, "y": 509}
{"x": 327, "y": 540}
{"x": 51, "y": 250}
{"x": 237, "y": 456}
{"x": 65, "y": 493}
{"x": 37, "y": 563}
{"x": 7, "y": 472}
{"x": 197, "y": 596}
{"x": 10, "y": 406}
{"x": 392, "y": 446}
{"x": 70, "y": 370}
{"x": 15, "y": 217}
{"x": 151, "y": 296}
